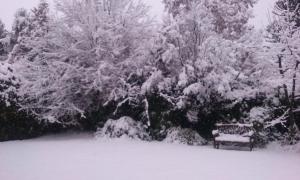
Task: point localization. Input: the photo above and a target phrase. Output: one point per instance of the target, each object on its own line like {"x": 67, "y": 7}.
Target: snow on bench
{"x": 233, "y": 133}
{"x": 232, "y": 138}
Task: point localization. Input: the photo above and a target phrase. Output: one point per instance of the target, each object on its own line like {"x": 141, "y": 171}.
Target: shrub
{"x": 179, "y": 135}
{"x": 123, "y": 127}
{"x": 17, "y": 125}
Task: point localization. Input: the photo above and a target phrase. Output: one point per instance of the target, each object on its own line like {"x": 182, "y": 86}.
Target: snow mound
{"x": 180, "y": 135}
{"x": 125, "y": 127}
{"x": 276, "y": 146}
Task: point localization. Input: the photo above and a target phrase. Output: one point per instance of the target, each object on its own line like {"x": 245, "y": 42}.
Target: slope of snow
{"x": 84, "y": 158}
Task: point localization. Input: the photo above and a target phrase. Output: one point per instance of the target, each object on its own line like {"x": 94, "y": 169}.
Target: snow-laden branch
{"x": 280, "y": 120}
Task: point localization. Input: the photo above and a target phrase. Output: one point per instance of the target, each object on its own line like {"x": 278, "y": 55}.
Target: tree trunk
{"x": 292, "y": 104}
{"x": 286, "y": 93}
{"x": 290, "y": 101}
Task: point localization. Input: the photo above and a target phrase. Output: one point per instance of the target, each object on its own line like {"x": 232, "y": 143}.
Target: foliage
{"x": 123, "y": 127}
{"x": 184, "y": 136}
{"x": 106, "y": 59}
{"x": 283, "y": 48}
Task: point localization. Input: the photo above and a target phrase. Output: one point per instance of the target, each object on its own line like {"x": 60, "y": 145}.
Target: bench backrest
{"x": 234, "y": 128}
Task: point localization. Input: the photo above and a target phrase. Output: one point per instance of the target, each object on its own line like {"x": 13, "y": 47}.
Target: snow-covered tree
{"x": 86, "y": 55}
{"x": 2, "y": 30}
{"x": 3, "y": 35}
{"x": 8, "y": 82}
{"x": 208, "y": 60}
{"x": 196, "y": 67}
{"x": 284, "y": 43}
{"x": 230, "y": 16}
{"x": 21, "y": 22}
{"x": 39, "y": 20}
{"x": 28, "y": 30}
{"x": 291, "y": 6}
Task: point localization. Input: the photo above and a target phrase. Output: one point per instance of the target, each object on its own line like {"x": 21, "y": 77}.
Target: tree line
{"x": 102, "y": 59}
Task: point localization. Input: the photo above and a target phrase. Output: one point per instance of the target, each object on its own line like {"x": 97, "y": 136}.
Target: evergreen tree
{"x": 28, "y": 32}
{"x": 39, "y": 20}
{"x": 20, "y": 25}
{"x": 2, "y": 30}
{"x": 3, "y": 34}
{"x": 19, "y": 32}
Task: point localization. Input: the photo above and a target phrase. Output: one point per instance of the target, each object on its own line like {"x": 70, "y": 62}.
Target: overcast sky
{"x": 7, "y": 10}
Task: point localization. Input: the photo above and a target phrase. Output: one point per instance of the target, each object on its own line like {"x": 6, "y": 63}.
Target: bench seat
{"x": 232, "y": 138}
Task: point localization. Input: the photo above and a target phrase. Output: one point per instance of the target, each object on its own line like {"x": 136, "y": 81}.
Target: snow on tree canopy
{"x": 82, "y": 57}
{"x": 259, "y": 114}
{"x": 155, "y": 78}
{"x": 194, "y": 89}
{"x": 9, "y": 83}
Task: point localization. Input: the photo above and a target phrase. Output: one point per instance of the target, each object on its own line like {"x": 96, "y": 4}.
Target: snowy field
{"x": 84, "y": 158}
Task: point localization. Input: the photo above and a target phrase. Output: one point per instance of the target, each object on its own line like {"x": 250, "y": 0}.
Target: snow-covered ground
{"x": 84, "y": 158}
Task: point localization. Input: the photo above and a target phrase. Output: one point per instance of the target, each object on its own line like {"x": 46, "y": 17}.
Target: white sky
{"x": 8, "y": 9}
{"x": 262, "y": 11}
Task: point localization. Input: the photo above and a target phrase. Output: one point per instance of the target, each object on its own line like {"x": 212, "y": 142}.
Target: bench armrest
{"x": 215, "y": 133}
{"x": 249, "y": 134}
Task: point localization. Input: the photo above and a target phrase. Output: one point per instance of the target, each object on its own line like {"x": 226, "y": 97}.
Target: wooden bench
{"x": 241, "y": 134}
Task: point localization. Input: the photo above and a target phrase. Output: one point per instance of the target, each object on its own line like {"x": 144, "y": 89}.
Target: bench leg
{"x": 251, "y": 146}
{"x": 216, "y": 145}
